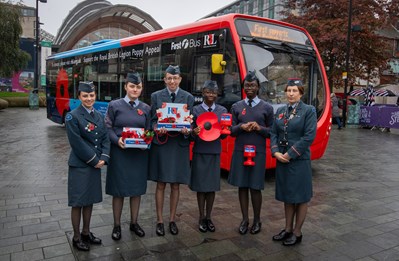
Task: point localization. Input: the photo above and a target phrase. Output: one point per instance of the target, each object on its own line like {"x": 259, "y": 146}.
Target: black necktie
{"x": 173, "y": 96}
{"x": 92, "y": 113}
{"x": 132, "y": 103}
{"x": 250, "y": 103}
{"x": 209, "y": 109}
{"x": 289, "y": 109}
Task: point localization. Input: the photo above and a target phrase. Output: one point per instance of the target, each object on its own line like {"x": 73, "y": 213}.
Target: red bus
{"x": 220, "y": 48}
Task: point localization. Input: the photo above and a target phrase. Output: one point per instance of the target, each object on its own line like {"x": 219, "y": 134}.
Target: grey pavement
{"x": 354, "y": 214}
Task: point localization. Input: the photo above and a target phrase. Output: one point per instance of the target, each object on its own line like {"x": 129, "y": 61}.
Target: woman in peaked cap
{"x": 88, "y": 138}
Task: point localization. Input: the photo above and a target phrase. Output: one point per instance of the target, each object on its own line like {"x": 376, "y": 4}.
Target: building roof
{"x": 91, "y": 15}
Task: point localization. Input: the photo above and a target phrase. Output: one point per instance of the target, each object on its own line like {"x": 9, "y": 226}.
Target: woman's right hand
{"x": 197, "y": 130}
{"x": 121, "y": 143}
{"x": 281, "y": 157}
{"x": 162, "y": 131}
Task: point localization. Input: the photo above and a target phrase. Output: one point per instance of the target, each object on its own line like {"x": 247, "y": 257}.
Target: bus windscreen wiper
{"x": 265, "y": 44}
{"x": 308, "y": 51}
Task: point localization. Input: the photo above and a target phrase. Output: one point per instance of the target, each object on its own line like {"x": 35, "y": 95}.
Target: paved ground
{"x": 354, "y": 214}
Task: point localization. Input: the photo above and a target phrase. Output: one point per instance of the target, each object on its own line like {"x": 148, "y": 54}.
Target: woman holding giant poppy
{"x": 89, "y": 142}
{"x": 128, "y": 167}
{"x": 293, "y": 132}
{"x": 252, "y": 119}
{"x": 205, "y": 167}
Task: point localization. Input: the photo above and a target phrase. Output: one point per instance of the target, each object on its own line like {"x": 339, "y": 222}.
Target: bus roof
{"x": 211, "y": 23}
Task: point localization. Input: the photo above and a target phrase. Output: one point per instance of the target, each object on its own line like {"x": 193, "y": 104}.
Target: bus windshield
{"x": 276, "y": 62}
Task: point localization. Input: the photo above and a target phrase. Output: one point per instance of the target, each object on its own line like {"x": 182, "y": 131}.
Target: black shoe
{"x": 256, "y": 227}
{"x": 283, "y": 235}
{"x": 243, "y": 229}
{"x": 210, "y": 225}
{"x": 160, "y": 230}
{"x": 173, "y": 228}
{"x": 292, "y": 240}
{"x": 80, "y": 245}
{"x": 137, "y": 230}
{"x": 90, "y": 238}
{"x": 203, "y": 226}
{"x": 116, "y": 233}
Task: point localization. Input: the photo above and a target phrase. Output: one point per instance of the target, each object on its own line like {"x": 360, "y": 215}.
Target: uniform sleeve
{"x": 235, "y": 126}
{"x": 190, "y": 102}
{"x": 148, "y": 117}
{"x": 194, "y": 125}
{"x": 109, "y": 122}
{"x": 274, "y": 136}
{"x": 154, "y": 107}
{"x": 106, "y": 147}
{"x": 265, "y": 131}
{"x": 78, "y": 145}
{"x": 309, "y": 134}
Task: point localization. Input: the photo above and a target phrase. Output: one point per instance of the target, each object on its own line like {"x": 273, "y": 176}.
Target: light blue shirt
{"x": 127, "y": 100}
{"x": 255, "y": 101}
{"x": 174, "y": 92}
{"x": 206, "y": 106}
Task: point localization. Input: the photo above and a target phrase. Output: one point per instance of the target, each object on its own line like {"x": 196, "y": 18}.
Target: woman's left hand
{"x": 100, "y": 164}
{"x": 121, "y": 143}
{"x": 254, "y": 126}
{"x": 185, "y": 131}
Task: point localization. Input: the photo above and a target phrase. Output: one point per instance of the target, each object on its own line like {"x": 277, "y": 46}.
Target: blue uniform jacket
{"x": 88, "y": 137}
{"x": 301, "y": 131}
{"x": 161, "y": 96}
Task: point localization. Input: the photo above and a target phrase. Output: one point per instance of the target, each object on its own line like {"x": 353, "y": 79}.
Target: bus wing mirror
{"x": 218, "y": 63}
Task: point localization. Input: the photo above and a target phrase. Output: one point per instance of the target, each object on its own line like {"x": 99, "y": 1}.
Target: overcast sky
{"x": 167, "y": 13}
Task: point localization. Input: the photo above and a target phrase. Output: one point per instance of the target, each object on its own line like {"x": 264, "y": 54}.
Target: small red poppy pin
{"x": 139, "y": 112}
{"x": 90, "y": 127}
{"x": 280, "y": 116}
{"x": 244, "y": 111}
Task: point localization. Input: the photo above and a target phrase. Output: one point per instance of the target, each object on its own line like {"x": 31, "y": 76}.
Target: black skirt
{"x": 205, "y": 173}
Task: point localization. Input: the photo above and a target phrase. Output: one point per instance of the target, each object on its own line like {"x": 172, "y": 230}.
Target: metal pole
{"x": 36, "y": 77}
{"x": 348, "y": 46}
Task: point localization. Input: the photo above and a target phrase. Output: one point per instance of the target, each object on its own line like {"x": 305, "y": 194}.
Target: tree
{"x": 327, "y": 22}
{"x": 12, "y": 58}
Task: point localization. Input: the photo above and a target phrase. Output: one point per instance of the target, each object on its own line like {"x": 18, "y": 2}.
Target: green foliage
{"x": 13, "y": 94}
{"x": 327, "y": 22}
{"x": 18, "y": 94}
{"x": 13, "y": 59}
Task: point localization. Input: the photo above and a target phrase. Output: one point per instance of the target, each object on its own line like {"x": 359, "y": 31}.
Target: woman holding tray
{"x": 128, "y": 167}
{"x": 170, "y": 150}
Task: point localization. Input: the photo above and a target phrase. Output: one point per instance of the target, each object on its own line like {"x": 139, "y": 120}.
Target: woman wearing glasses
{"x": 170, "y": 152}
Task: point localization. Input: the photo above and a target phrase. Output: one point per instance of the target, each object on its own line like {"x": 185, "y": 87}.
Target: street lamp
{"x": 348, "y": 48}
{"x": 37, "y": 36}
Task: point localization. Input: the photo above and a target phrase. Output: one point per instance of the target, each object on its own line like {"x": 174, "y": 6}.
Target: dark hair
{"x": 301, "y": 89}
